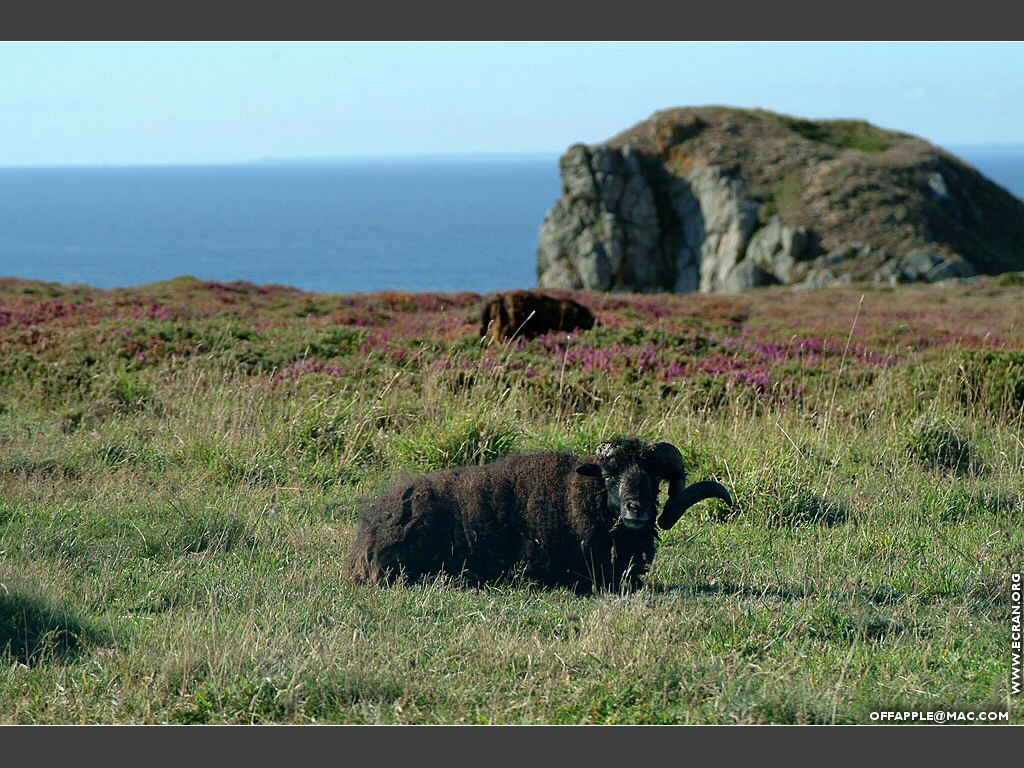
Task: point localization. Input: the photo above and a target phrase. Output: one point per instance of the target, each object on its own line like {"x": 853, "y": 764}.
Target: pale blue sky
{"x": 131, "y": 103}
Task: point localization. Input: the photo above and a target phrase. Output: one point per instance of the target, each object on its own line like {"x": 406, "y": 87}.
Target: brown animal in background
{"x": 525, "y": 314}
{"x": 583, "y": 523}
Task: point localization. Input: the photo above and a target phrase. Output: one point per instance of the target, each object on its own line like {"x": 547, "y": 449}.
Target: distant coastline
{"x": 339, "y": 160}
{"x": 986, "y": 149}
{"x": 966, "y": 151}
{"x": 468, "y": 157}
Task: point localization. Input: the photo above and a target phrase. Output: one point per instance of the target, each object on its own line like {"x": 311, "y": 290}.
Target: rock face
{"x": 605, "y": 230}
{"x": 719, "y": 200}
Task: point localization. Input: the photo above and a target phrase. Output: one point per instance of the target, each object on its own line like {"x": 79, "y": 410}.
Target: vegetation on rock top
{"x": 846, "y": 180}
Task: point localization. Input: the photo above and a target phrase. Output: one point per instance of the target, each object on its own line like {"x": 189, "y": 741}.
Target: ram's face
{"x": 631, "y": 486}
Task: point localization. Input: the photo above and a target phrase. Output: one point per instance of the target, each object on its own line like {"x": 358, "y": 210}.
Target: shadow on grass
{"x": 41, "y": 469}
{"x": 802, "y": 507}
{"x": 787, "y": 508}
{"x": 198, "y": 531}
{"x": 881, "y": 596}
{"x": 786, "y": 505}
{"x": 33, "y": 630}
{"x": 939, "y": 446}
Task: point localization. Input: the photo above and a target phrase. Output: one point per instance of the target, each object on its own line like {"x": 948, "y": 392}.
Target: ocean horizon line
{"x": 299, "y": 161}
{"x": 413, "y": 158}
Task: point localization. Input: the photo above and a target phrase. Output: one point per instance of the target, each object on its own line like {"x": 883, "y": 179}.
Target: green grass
{"x": 783, "y": 198}
{"x": 173, "y": 530}
{"x": 855, "y": 135}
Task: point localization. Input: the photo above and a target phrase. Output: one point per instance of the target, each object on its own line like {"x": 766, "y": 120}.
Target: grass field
{"x": 181, "y": 465}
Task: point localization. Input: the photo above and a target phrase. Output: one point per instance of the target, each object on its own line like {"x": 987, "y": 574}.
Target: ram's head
{"x": 631, "y": 470}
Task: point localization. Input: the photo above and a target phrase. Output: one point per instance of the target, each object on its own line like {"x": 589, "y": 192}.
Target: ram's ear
{"x": 588, "y": 470}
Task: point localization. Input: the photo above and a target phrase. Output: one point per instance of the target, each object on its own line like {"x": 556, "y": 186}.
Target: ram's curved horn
{"x": 668, "y": 463}
{"x": 690, "y": 495}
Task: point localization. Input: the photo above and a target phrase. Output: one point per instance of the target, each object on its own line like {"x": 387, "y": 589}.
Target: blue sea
{"x": 447, "y": 225}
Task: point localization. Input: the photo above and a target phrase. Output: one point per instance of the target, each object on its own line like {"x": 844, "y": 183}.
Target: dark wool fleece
{"x": 531, "y": 513}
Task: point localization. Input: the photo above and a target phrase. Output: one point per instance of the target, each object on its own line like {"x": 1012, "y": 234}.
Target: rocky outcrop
{"x": 604, "y": 231}
{"x": 722, "y": 200}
